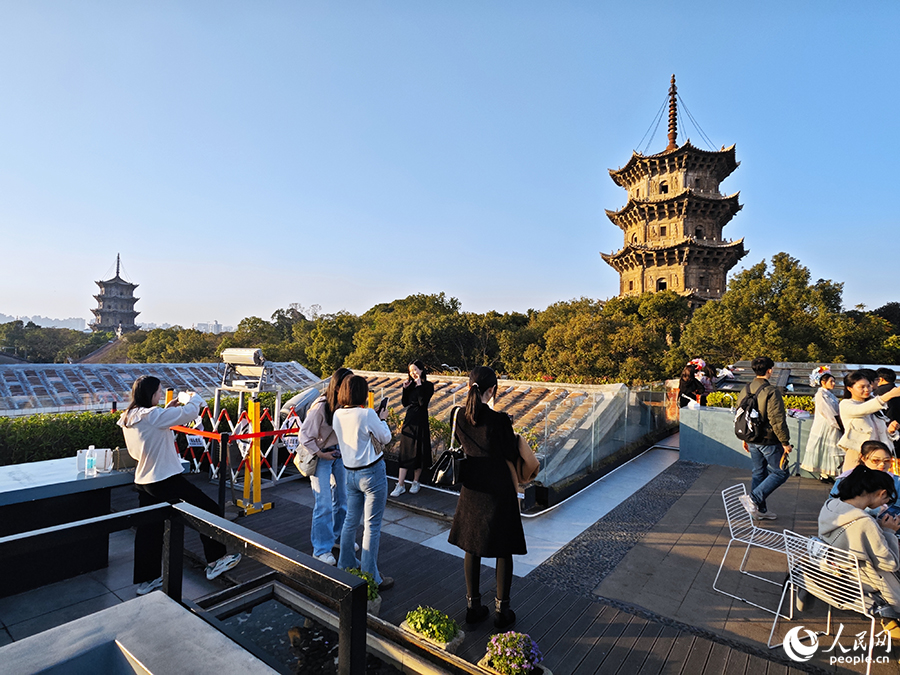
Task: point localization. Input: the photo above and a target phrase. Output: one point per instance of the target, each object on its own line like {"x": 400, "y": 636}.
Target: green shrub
{"x": 728, "y": 399}
{"x": 372, "y": 590}
{"x": 51, "y": 436}
{"x": 721, "y": 399}
{"x": 433, "y": 623}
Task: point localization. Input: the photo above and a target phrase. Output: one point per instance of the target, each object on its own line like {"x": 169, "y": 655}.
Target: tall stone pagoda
{"x": 115, "y": 305}
{"x": 674, "y": 218}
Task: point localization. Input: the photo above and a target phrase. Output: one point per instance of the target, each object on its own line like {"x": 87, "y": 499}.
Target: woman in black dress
{"x": 487, "y": 521}
{"x": 415, "y": 435}
{"x": 690, "y": 388}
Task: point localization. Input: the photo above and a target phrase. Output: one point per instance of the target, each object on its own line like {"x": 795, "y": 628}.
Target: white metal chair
{"x": 744, "y": 531}
{"x": 830, "y": 574}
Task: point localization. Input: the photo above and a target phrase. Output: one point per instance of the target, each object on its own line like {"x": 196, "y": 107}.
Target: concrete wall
{"x": 707, "y": 436}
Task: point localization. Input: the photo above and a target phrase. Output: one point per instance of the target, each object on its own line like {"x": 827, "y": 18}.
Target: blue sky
{"x": 244, "y": 156}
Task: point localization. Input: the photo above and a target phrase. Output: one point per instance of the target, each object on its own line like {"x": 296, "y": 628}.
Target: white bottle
{"x": 90, "y": 463}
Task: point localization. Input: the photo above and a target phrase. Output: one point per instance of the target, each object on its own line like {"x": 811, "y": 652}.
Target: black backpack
{"x": 748, "y": 423}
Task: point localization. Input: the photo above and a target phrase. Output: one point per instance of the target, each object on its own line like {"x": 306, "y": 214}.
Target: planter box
{"x": 484, "y": 664}
{"x": 373, "y": 607}
{"x": 450, "y": 647}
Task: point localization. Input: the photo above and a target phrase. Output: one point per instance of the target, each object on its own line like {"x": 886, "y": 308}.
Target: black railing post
{"x": 352, "y": 632}
{"x": 223, "y": 467}
{"x": 173, "y": 557}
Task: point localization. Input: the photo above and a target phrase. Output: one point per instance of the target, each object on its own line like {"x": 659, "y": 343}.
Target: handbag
{"x": 305, "y": 462}
{"x": 447, "y": 470}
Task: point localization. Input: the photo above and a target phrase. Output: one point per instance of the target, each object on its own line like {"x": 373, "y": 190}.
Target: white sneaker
{"x": 147, "y": 586}
{"x": 223, "y": 564}
{"x": 749, "y": 504}
{"x": 326, "y": 558}
{"x": 399, "y": 490}
{"x": 415, "y": 487}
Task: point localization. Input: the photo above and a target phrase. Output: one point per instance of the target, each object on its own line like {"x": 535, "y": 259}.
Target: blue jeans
{"x": 767, "y": 472}
{"x": 366, "y": 496}
{"x": 329, "y": 485}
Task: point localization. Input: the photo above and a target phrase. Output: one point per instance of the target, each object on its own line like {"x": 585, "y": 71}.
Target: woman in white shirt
{"x": 859, "y": 413}
{"x": 355, "y": 425}
{"x": 158, "y": 478}
{"x": 821, "y": 455}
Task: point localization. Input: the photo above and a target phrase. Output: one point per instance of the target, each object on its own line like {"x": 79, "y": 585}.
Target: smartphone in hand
{"x": 382, "y": 406}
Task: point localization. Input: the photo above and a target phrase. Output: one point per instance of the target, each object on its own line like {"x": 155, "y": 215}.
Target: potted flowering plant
{"x": 433, "y": 626}
{"x": 373, "y": 598}
{"x": 513, "y": 654}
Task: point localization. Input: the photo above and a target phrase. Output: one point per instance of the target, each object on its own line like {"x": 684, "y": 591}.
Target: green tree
{"x": 778, "y": 313}
{"x": 330, "y": 341}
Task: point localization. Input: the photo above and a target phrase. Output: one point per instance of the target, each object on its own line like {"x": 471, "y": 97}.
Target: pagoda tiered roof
{"x": 717, "y": 163}
{"x": 687, "y": 203}
{"x": 684, "y": 251}
{"x": 118, "y": 281}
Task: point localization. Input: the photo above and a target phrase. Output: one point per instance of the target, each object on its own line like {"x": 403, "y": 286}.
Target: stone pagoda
{"x": 115, "y": 304}
{"x": 674, "y": 218}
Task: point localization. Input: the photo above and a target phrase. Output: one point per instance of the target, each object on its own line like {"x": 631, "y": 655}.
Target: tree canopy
{"x": 771, "y": 308}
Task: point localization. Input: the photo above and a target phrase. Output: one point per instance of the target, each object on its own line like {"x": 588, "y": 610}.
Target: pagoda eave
{"x": 724, "y": 162}
{"x": 688, "y": 203}
{"x": 688, "y": 251}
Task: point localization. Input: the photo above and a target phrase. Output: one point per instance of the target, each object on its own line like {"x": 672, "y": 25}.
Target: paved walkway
{"x": 670, "y": 571}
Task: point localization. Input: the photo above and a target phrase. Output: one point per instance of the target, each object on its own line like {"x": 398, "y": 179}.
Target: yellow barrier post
{"x": 253, "y": 466}
{"x": 170, "y": 394}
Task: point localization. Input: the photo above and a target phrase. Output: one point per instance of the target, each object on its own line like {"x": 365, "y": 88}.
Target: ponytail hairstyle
{"x": 331, "y": 394}
{"x": 863, "y": 480}
{"x": 142, "y": 392}
{"x": 481, "y": 379}
{"x": 421, "y": 366}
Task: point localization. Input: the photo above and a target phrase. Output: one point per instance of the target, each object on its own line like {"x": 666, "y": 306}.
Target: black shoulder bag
{"x": 447, "y": 470}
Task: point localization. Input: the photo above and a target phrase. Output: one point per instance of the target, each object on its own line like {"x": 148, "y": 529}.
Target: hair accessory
{"x": 815, "y": 377}
{"x": 698, "y": 362}
{"x": 475, "y": 384}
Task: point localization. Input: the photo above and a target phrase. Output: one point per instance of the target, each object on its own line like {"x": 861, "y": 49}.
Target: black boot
{"x": 475, "y": 611}
{"x": 504, "y": 616}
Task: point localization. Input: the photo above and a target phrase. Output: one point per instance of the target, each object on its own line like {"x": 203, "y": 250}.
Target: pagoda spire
{"x": 117, "y": 260}
{"x": 673, "y": 116}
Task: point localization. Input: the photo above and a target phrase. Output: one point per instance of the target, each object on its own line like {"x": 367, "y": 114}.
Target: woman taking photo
{"x": 845, "y": 523}
{"x": 487, "y": 521}
{"x": 822, "y": 455}
{"x": 158, "y": 478}
{"x": 859, "y": 413}
{"x": 355, "y": 426}
{"x": 876, "y": 456}
{"x": 328, "y": 482}
{"x": 690, "y": 389}
{"x": 415, "y": 435}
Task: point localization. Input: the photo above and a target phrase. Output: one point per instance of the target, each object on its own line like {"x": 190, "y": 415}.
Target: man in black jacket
{"x": 768, "y": 454}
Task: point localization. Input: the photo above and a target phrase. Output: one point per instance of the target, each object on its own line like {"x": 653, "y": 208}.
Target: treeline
{"x": 48, "y": 345}
{"x": 769, "y": 309}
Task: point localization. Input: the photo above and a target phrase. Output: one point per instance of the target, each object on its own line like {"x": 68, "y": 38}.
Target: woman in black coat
{"x": 415, "y": 435}
{"x": 487, "y": 521}
{"x": 690, "y": 388}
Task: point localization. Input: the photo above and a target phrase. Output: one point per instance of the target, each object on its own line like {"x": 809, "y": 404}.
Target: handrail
{"x": 345, "y": 591}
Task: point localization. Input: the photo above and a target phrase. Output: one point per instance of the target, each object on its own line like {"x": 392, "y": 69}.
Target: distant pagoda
{"x": 115, "y": 304}
{"x": 674, "y": 218}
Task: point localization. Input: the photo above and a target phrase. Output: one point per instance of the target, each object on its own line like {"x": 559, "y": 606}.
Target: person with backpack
{"x": 761, "y": 424}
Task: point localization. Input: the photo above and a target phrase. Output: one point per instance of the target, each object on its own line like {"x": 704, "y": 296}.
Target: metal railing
{"x": 345, "y": 592}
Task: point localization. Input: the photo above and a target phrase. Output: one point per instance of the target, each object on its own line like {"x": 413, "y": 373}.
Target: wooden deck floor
{"x": 576, "y": 634}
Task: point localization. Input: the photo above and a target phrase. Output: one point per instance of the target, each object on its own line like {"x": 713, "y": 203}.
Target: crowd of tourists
{"x": 341, "y": 449}
{"x": 856, "y": 434}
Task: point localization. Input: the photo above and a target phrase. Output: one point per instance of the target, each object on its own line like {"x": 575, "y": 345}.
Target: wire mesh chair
{"x": 830, "y": 574}
{"x": 744, "y": 531}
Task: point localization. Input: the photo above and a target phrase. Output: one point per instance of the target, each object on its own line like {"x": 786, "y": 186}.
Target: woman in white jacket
{"x": 355, "y": 426}
{"x": 845, "y": 524}
{"x": 158, "y": 478}
{"x": 859, "y": 413}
